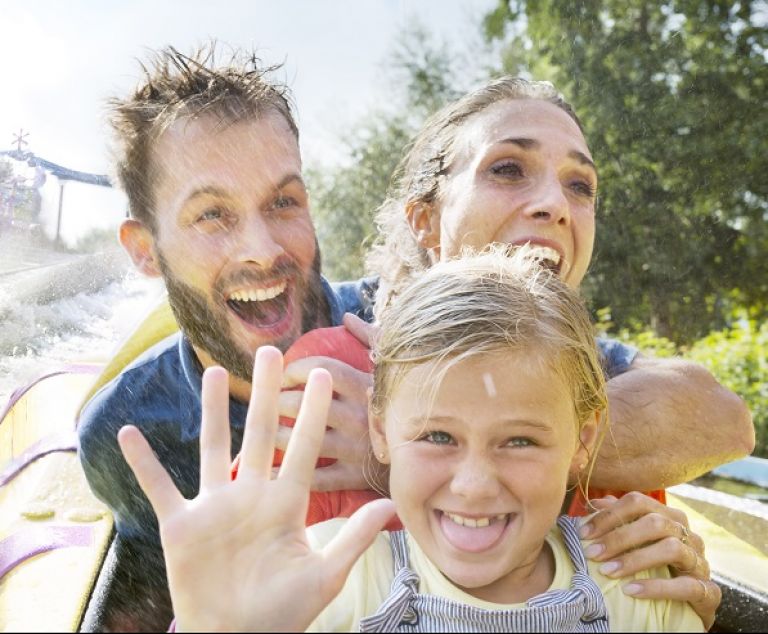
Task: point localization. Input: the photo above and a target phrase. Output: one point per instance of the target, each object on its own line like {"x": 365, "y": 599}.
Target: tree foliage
{"x": 672, "y": 97}
{"x": 346, "y": 197}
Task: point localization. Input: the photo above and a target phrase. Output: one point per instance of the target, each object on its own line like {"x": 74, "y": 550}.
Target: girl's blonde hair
{"x": 488, "y": 303}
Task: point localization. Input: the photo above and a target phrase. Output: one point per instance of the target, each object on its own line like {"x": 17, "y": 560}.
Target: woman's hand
{"x": 237, "y": 555}
{"x": 637, "y": 533}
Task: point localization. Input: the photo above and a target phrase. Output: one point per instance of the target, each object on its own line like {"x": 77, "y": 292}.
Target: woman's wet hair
{"x": 495, "y": 303}
{"x": 397, "y": 255}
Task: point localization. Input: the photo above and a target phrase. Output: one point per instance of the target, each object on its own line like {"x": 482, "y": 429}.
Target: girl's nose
{"x": 475, "y": 478}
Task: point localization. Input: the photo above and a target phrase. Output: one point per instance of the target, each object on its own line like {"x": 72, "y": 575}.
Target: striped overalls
{"x": 581, "y": 608}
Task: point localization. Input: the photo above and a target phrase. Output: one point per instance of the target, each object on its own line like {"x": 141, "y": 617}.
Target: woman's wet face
{"x": 522, "y": 172}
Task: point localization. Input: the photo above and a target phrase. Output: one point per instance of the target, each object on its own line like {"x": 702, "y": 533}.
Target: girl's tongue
{"x": 472, "y": 539}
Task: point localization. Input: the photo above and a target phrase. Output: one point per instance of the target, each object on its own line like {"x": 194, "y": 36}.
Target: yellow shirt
{"x": 369, "y": 584}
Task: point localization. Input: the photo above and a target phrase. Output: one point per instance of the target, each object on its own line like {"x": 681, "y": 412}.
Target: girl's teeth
{"x": 480, "y": 522}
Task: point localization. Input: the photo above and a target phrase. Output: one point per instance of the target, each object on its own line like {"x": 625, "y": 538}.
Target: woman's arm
{"x": 637, "y": 533}
{"x": 237, "y": 554}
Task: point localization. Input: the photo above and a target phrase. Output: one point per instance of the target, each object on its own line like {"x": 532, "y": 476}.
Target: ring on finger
{"x": 705, "y": 587}
{"x": 693, "y": 567}
{"x": 685, "y": 535}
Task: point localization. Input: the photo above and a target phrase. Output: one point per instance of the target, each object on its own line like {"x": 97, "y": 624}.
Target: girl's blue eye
{"x": 508, "y": 168}
{"x": 520, "y": 442}
{"x": 438, "y": 438}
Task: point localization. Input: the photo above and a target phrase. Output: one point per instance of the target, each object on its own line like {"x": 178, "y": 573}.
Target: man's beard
{"x": 207, "y": 327}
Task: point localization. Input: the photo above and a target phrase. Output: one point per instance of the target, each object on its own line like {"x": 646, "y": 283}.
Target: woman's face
{"x": 522, "y": 172}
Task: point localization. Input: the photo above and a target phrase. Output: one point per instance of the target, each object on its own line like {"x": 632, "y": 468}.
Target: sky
{"x": 60, "y": 61}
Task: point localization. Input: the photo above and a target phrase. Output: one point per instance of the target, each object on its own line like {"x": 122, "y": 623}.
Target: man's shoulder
{"x": 358, "y": 296}
{"x": 149, "y": 383}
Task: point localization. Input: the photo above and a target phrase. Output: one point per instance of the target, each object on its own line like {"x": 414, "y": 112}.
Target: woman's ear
{"x": 138, "y": 241}
{"x": 377, "y": 432}
{"x": 424, "y": 221}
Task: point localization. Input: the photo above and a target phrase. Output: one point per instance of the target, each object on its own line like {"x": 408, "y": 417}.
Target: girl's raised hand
{"x": 237, "y": 555}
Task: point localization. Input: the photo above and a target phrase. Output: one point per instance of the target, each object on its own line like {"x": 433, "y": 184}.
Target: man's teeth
{"x": 476, "y": 522}
{"x": 258, "y": 294}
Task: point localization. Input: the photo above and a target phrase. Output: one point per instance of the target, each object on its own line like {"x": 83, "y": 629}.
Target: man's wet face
{"x": 234, "y": 238}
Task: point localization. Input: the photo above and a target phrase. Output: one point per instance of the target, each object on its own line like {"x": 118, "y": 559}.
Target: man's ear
{"x": 138, "y": 241}
{"x": 377, "y": 433}
{"x": 424, "y": 221}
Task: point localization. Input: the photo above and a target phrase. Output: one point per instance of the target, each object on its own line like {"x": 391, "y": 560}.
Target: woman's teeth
{"x": 475, "y": 522}
{"x": 258, "y": 294}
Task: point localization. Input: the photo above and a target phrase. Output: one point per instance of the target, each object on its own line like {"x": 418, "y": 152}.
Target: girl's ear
{"x": 377, "y": 433}
{"x": 424, "y": 221}
{"x": 586, "y": 442}
{"x": 138, "y": 241}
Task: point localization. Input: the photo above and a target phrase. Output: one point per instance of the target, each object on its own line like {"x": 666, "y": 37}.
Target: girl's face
{"x": 522, "y": 173}
{"x": 479, "y": 473}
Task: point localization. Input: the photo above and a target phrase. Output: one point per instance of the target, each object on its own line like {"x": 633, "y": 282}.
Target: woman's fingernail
{"x": 632, "y": 588}
{"x": 609, "y": 567}
{"x": 586, "y": 530}
{"x": 593, "y": 550}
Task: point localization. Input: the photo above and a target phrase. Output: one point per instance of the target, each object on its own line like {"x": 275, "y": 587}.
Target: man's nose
{"x": 475, "y": 478}
{"x": 548, "y": 202}
{"x": 257, "y": 242}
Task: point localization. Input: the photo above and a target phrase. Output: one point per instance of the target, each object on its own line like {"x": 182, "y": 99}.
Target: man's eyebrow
{"x": 212, "y": 190}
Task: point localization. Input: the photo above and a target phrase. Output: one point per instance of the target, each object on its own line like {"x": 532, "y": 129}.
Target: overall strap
{"x": 405, "y": 586}
{"x": 582, "y": 585}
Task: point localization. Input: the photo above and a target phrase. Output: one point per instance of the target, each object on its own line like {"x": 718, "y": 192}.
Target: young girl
{"x": 488, "y": 400}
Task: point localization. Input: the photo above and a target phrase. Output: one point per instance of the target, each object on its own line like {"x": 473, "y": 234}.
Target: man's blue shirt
{"x": 160, "y": 394}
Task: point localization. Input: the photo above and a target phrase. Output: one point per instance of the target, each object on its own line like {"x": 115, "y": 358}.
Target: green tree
{"x": 672, "y": 97}
{"x": 346, "y": 197}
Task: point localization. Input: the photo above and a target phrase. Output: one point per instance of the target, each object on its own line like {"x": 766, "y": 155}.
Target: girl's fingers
{"x": 304, "y": 446}
{"x": 352, "y": 541}
{"x": 261, "y": 421}
{"x": 152, "y": 477}
{"x": 215, "y": 458}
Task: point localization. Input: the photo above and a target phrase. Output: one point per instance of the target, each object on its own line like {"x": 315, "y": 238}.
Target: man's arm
{"x": 670, "y": 422}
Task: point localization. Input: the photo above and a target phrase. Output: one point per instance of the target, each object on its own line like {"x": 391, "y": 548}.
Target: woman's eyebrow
{"x": 525, "y": 143}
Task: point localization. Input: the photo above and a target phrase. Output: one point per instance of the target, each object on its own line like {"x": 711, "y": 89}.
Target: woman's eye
{"x": 438, "y": 438}
{"x": 507, "y": 169}
{"x": 584, "y": 188}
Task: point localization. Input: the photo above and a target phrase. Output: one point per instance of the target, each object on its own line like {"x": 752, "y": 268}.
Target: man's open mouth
{"x": 261, "y": 307}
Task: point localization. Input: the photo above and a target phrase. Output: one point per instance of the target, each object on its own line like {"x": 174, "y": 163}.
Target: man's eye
{"x": 210, "y": 215}
{"x": 284, "y": 202}
{"x": 507, "y": 169}
{"x": 438, "y": 438}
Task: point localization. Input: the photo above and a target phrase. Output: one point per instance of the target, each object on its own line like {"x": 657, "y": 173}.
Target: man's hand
{"x": 237, "y": 555}
{"x": 637, "y": 533}
{"x": 346, "y": 439}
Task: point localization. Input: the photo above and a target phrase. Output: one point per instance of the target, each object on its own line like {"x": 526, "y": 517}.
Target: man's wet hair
{"x": 229, "y": 84}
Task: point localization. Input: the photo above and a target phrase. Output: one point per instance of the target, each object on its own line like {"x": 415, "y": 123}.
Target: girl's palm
{"x": 237, "y": 555}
